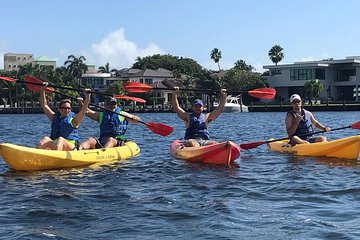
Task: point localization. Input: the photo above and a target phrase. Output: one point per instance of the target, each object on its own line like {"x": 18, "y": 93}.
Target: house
{"x": 340, "y": 78}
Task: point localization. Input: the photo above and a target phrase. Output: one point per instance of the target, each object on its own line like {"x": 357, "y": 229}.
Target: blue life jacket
{"x": 197, "y": 128}
{"x": 304, "y": 126}
{"x": 62, "y": 127}
{"x": 112, "y": 124}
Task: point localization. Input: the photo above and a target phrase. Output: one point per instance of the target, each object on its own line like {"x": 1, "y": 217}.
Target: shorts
{"x": 100, "y": 143}
{"x": 75, "y": 143}
{"x": 202, "y": 142}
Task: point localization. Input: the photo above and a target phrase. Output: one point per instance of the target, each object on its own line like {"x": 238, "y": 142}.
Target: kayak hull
{"x": 348, "y": 148}
{"x": 30, "y": 159}
{"x": 220, "y": 153}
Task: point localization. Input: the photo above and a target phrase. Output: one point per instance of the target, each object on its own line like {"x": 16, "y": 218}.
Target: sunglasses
{"x": 296, "y": 102}
{"x": 67, "y": 108}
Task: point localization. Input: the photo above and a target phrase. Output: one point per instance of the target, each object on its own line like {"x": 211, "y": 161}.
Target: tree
{"x": 216, "y": 56}
{"x": 276, "y": 54}
{"x": 76, "y": 66}
{"x": 241, "y": 65}
{"x": 313, "y": 88}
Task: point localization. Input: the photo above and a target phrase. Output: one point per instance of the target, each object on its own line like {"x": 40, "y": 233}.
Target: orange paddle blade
{"x": 263, "y": 93}
{"x": 34, "y": 84}
{"x": 135, "y": 87}
{"x": 9, "y": 79}
{"x": 135, "y": 99}
{"x": 159, "y": 128}
{"x": 247, "y": 146}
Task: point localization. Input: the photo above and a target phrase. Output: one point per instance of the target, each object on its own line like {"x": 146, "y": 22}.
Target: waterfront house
{"x": 340, "y": 78}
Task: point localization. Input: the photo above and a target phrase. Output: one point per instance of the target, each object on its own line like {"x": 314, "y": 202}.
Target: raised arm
{"x": 79, "y": 117}
{"x": 317, "y": 124}
{"x": 179, "y": 111}
{"x": 214, "y": 114}
{"x": 44, "y": 104}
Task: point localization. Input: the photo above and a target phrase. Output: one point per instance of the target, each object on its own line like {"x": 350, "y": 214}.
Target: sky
{"x": 119, "y": 31}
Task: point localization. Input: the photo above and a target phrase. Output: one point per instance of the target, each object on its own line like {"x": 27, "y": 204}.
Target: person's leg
{"x": 192, "y": 143}
{"x": 111, "y": 142}
{"x": 297, "y": 140}
{"x": 64, "y": 145}
{"x": 89, "y": 143}
{"x": 45, "y": 143}
{"x": 320, "y": 139}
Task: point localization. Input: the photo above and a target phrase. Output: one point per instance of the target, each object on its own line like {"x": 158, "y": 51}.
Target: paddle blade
{"x": 9, "y": 79}
{"x": 355, "y": 125}
{"x": 135, "y": 99}
{"x": 160, "y": 128}
{"x": 247, "y": 146}
{"x": 34, "y": 84}
{"x": 135, "y": 87}
{"x": 263, "y": 93}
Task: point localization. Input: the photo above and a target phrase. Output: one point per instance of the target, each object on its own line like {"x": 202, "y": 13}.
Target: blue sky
{"x": 117, "y": 31}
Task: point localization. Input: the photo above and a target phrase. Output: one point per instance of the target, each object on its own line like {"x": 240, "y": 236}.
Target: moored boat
{"x": 348, "y": 148}
{"x": 234, "y": 104}
{"x": 220, "y": 153}
{"x": 30, "y": 159}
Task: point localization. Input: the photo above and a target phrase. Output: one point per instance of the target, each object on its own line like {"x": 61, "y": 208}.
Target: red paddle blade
{"x": 247, "y": 146}
{"x": 160, "y": 128}
{"x": 135, "y": 87}
{"x": 9, "y": 79}
{"x": 36, "y": 87}
{"x": 263, "y": 93}
{"x": 135, "y": 99}
{"x": 355, "y": 125}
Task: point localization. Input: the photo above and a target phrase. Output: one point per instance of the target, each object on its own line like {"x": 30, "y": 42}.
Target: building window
{"x": 320, "y": 73}
{"x": 148, "y": 80}
{"x": 141, "y": 80}
{"x": 275, "y": 72}
{"x": 302, "y": 74}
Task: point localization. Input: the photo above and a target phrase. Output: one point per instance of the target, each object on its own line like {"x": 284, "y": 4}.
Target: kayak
{"x": 30, "y": 159}
{"x": 341, "y": 148}
{"x": 219, "y": 153}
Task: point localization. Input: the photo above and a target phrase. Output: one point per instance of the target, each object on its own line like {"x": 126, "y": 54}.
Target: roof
{"x": 154, "y": 73}
{"x": 44, "y": 58}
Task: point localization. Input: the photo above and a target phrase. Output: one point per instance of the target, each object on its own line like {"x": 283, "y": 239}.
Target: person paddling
{"x": 197, "y": 122}
{"x": 64, "y": 123}
{"x": 299, "y": 121}
{"x": 112, "y": 126}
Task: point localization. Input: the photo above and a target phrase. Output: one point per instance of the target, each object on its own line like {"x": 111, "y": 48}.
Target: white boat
{"x": 234, "y": 104}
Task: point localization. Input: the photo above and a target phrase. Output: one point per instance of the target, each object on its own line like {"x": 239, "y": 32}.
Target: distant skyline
{"x": 118, "y": 31}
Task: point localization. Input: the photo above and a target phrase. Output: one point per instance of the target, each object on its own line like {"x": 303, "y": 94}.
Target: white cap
{"x": 295, "y": 97}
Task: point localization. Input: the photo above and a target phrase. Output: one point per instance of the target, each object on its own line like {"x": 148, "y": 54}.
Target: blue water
{"x": 154, "y": 196}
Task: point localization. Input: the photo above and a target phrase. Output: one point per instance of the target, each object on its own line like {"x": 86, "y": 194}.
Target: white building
{"x": 341, "y": 78}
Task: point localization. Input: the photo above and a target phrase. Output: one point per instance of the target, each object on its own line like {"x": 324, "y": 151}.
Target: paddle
{"x": 35, "y": 84}
{"x": 135, "y": 87}
{"x": 247, "y": 146}
{"x": 155, "y": 127}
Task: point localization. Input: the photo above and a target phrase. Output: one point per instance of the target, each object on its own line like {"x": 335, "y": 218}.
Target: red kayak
{"x": 220, "y": 153}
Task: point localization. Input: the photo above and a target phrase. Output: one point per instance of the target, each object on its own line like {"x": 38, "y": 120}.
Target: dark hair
{"x": 62, "y": 102}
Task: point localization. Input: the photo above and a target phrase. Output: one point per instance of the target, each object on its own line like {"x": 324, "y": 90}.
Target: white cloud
{"x": 118, "y": 51}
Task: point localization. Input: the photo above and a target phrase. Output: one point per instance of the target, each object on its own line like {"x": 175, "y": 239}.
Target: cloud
{"x": 118, "y": 51}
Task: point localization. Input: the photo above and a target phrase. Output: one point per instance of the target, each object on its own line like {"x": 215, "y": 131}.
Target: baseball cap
{"x": 110, "y": 100}
{"x": 295, "y": 97}
{"x": 198, "y": 102}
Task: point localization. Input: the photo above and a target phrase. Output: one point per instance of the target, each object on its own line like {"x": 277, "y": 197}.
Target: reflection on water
{"x": 271, "y": 196}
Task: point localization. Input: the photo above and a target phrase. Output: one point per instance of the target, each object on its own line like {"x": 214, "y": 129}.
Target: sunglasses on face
{"x": 296, "y": 102}
{"x": 67, "y": 108}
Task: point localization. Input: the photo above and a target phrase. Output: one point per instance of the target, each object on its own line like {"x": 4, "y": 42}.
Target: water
{"x": 153, "y": 196}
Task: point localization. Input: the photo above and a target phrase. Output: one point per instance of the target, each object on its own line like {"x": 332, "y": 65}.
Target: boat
{"x": 233, "y": 104}
{"x": 31, "y": 159}
{"x": 219, "y": 153}
{"x": 348, "y": 148}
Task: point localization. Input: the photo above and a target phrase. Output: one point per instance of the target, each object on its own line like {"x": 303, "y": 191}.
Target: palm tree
{"x": 216, "y": 56}
{"x": 76, "y": 66}
{"x": 241, "y": 65}
{"x": 104, "y": 69}
{"x": 313, "y": 88}
{"x": 276, "y": 54}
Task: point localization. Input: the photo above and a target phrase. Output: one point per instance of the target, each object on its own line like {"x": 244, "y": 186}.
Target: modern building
{"x": 340, "y": 78}
{"x": 12, "y": 61}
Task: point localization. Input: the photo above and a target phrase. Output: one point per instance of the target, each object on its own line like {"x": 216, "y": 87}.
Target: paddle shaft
{"x": 97, "y": 106}
{"x": 63, "y": 87}
{"x": 190, "y": 89}
{"x": 307, "y": 134}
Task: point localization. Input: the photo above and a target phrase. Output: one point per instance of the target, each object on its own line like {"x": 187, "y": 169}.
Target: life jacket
{"x": 62, "y": 127}
{"x": 304, "y": 126}
{"x": 197, "y": 128}
{"x": 112, "y": 124}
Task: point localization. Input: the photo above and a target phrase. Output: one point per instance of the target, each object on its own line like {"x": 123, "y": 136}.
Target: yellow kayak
{"x": 29, "y": 159}
{"x": 342, "y": 148}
